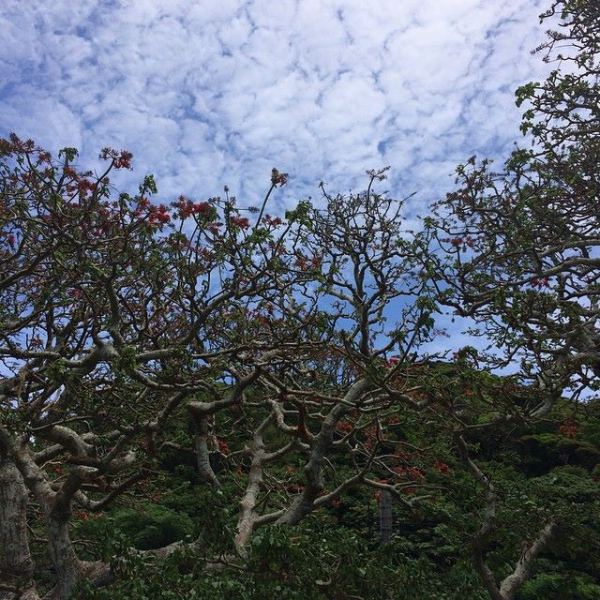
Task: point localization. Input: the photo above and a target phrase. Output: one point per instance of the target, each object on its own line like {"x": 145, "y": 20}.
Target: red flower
{"x": 241, "y": 222}
{"x": 391, "y": 362}
{"x": 273, "y": 221}
{"x": 223, "y": 447}
{"x": 214, "y": 227}
{"x": 301, "y": 263}
{"x": 343, "y": 426}
{"x": 442, "y": 467}
{"x": 123, "y": 160}
{"x": 159, "y": 218}
{"x": 143, "y": 203}
{"x": 85, "y": 185}
{"x": 186, "y": 208}
{"x": 278, "y": 178}
{"x": 204, "y": 209}
{"x": 540, "y": 282}
{"x": 569, "y": 429}
{"x": 159, "y": 215}
{"x": 416, "y": 474}
{"x": 120, "y": 160}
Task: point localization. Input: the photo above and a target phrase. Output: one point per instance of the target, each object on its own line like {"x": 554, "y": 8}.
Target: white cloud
{"x": 321, "y": 88}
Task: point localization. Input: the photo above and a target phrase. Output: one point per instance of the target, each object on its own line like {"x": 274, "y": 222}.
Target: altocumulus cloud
{"x": 218, "y": 92}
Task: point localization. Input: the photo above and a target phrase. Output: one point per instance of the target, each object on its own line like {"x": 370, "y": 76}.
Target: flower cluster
{"x": 121, "y": 159}
{"x": 392, "y": 362}
{"x": 278, "y": 178}
{"x": 273, "y": 221}
{"x": 466, "y": 242}
{"x": 159, "y": 215}
{"x": 223, "y": 446}
{"x": 241, "y": 222}
{"x": 11, "y": 240}
{"x": 17, "y": 145}
{"x": 186, "y": 208}
{"x": 568, "y": 429}
{"x": 304, "y": 263}
{"x": 540, "y": 282}
{"x": 442, "y": 467}
{"x": 413, "y": 473}
{"x": 85, "y": 187}
{"x": 344, "y": 426}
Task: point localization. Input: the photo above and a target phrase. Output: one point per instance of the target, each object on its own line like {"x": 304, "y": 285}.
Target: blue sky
{"x": 218, "y": 92}
{"x": 214, "y": 93}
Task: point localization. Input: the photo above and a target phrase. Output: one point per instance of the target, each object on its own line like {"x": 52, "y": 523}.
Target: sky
{"x": 218, "y": 92}
{"x": 214, "y": 93}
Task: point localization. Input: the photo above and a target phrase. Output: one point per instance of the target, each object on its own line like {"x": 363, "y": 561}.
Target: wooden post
{"x": 385, "y": 516}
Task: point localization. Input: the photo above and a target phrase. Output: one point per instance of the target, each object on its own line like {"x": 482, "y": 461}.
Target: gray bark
{"x": 14, "y": 557}
{"x": 313, "y": 471}
{"x": 511, "y": 584}
{"x": 56, "y": 510}
{"x": 16, "y": 566}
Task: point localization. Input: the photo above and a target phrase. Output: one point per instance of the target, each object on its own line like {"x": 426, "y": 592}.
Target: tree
{"x": 523, "y": 245}
{"x": 524, "y": 240}
{"x": 271, "y": 366}
{"x": 122, "y": 319}
{"x": 111, "y": 319}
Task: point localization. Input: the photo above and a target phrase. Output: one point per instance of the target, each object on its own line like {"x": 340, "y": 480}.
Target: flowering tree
{"x": 354, "y": 267}
{"x": 284, "y": 355}
{"x": 524, "y": 247}
{"x": 524, "y": 240}
{"x": 121, "y": 316}
{"x": 113, "y": 314}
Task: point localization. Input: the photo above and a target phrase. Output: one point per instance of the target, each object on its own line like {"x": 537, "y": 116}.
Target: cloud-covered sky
{"x": 214, "y": 92}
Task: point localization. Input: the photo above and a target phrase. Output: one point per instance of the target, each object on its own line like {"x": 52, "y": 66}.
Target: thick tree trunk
{"x": 313, "y": 471}
{"x": 16, "y": 566}
{"x": 70, "y": 571}
{"x": 57, "y": 511}
{"x": 201, "y": 432}
{"x": 64, "y": 559}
